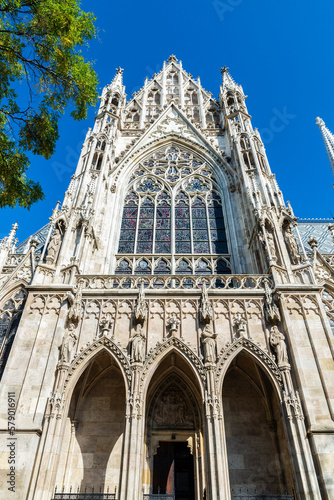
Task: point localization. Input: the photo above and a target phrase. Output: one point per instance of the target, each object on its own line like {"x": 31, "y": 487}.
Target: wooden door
{"x": 173, "y": 470}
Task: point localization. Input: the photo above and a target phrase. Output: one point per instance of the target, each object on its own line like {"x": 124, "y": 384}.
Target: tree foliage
{"x": 42, "y": 71}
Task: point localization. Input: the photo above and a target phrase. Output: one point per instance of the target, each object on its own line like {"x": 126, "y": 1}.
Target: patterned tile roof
{"x": 318, "y": 229}
{"x": 40, "y": 235}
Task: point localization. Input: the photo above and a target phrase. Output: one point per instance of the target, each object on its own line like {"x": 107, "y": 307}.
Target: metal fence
{"x": 158, "y": 496}
{"x": 262, "y": 496}
{"x": 63, "y": 495}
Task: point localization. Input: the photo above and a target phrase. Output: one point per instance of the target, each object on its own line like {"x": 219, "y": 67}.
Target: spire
{"x": 328, "y": 138}
{"x": 117, "y": 82}
{"x": 228, "y": 82}
{"x": 9, "y": 240}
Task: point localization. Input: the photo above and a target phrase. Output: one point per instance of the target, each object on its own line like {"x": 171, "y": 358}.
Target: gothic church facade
{"x": 168, "y": 334}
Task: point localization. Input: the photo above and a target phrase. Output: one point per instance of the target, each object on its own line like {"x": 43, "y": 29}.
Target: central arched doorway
{"x": 174, "y": 437}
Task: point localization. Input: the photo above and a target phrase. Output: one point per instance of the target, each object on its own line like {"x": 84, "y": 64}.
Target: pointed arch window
{"x": 173, "y": 207}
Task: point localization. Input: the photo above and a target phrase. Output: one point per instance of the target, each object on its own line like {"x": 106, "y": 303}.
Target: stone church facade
{"x": 169, "y": 333}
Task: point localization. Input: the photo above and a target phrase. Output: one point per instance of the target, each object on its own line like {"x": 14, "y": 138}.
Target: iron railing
{"x": 78, "y": 495}
{"x": 262, "y": 496}
{"x": 84, "y": 496}
{"x": 159, "y": 496}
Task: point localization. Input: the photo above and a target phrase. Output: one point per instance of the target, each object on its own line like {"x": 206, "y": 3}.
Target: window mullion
{"x": 137, "y": 225}
{"x": 154, "y": 223}
{"x": 208, "y": 223}
{"x": 191, "y": 225}
{"x": 172, "y": 230}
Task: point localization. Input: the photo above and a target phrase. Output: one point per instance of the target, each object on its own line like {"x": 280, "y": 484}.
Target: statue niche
{"x": 172, "y": 410}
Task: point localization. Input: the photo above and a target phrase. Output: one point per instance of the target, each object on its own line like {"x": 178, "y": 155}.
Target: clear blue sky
{"x": 279, "y": 51}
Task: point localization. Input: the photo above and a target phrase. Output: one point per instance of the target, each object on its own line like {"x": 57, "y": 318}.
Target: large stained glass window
{"x": 173, "y": 208}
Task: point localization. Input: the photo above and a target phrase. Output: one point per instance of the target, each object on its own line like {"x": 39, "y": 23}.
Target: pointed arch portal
{"x": 255, "y": 434}
{"x": 91, "y": 450}
{"x": 174, "y": 432}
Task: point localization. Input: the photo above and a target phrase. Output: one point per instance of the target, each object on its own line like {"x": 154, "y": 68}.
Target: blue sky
{"x": 279, "y": 51}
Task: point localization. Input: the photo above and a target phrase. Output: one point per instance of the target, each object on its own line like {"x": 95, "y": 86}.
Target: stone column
{"x": 131, "y": 481}
{"x": 305, "y": 474}
{"x": 46, "y": 461}
{"x": 216, "y": 455}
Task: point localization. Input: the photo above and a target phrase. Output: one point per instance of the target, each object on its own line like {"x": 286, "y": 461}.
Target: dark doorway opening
{"x": 173, "y": 470}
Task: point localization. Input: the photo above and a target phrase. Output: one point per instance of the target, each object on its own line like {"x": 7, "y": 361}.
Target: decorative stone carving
{"x": 292, "y": 245}
{"x": 173, "y": 322}
{"x": 171, "y": 410}
{"x": 178, "y": 344}
{"x": 140, "y": 311}
{"x": 209, "y": 345}
{"x": 53, "y": 247}
{"x": 230, "y": 349}
{"x": 106, "y": 325}
{"x": 240, "y": 326}
{"x": 87, "y": 350}
{"x": 277, "y": 341}
{"x": 206, "y": 312}
{"x": 138, "y": 345}
{"x": 293, "y": 405}
{"x": 271, "y": 310}
{"x": 68, "y": 344}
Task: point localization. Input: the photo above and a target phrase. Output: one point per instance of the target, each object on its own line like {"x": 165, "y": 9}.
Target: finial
{"x": 313, "y": 243}
{"x": 224, "y": 69}
{"x": 119, "y": 70}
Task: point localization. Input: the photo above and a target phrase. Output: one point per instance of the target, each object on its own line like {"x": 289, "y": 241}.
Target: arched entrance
{"x": 174, "y": 436}
{"x": 257, "y": 446}
{"x": 91, "y": 452}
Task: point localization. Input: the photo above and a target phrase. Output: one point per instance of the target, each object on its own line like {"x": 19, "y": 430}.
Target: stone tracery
{"x": 173, "y": 207}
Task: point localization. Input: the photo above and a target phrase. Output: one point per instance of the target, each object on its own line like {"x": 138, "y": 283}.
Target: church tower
{"x": 167, "y": 334}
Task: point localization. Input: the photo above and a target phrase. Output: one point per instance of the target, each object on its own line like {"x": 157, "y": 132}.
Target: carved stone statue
{"x": 75, "y": 310}
{"x": 137, "y": 345}
{"x": 271, "y": 310}
{"x": 292, "y": 245}
{"x": 173, "y": 323}
{"x": 68, "y": 344}
{"x": 271, "y": 245}
{"x": 53, "y": 247}
{"x": 277, "y": 341}
{"x": 209, "y": 345}
{"x": 140, "y": 311}
{"x": 206, "y": 312}
{"x": 240, "y": 326}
